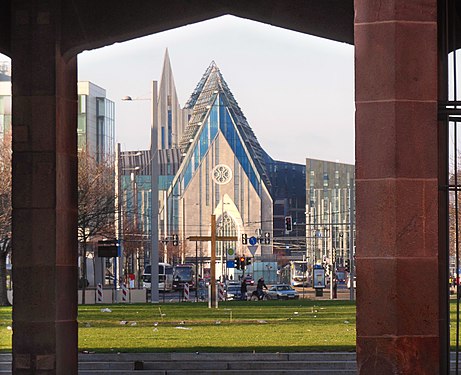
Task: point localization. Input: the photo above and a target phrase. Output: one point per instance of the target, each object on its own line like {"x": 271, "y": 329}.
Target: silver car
{"x": 282, "y": 291}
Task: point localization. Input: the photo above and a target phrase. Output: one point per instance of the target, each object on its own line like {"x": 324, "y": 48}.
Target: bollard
{"x": 99, "y": 294}
{"x": 124, "y": 293}
{"x": 221, "y": 292}
{"x": 186, "y": 292}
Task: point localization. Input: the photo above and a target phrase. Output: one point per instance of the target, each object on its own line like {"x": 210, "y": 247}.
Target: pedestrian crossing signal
{"x": 267, "y": 238}
{"x": 288, "y": 223}
{"x": 175, "y": 240}
{"x": 244, "y": 239}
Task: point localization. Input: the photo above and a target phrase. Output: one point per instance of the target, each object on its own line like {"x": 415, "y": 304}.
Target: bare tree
{"x": 96, "y": 205}
{"x": 5, "y": 212}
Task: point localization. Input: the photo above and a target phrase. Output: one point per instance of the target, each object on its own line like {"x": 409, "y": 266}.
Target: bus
{"x": 165, "y": 277}
{"x": 184, "y": 273}
{"x": 295, "y": 273}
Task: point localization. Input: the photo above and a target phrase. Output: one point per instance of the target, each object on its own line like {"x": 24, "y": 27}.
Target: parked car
{"x": 249, "y": 280}
{"x": 233, "y": 290}
{"x": 282, "y": 291}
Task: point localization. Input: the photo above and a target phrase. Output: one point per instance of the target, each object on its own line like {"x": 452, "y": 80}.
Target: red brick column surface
{"x": 44, "y": 193}
{"x": 396, "y": 187}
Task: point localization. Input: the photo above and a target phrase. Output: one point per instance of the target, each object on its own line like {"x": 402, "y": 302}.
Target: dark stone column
{"x": 44, "y": 193}
{"x": 398, "y": 299}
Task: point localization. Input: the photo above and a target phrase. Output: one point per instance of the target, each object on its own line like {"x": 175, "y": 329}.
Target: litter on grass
{"x": 106, "y": 310}
{"x": 187, "y": 328}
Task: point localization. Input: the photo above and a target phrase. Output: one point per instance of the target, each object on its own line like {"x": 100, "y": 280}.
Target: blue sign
{"x": 229, "y": 264}
{"x": 253, "y": 240}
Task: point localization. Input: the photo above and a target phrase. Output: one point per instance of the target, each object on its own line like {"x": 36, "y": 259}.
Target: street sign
{"x": 252, "y": 249}
{"x": 108, "y": 248}
{"x": 230, "y": 252}
{"x": 253, "y": 240}
{"x": 230, "y": 263}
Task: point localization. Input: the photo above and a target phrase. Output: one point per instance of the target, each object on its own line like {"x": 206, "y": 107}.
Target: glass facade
{"x": 96, "y": 122}
{"x": 219, "y": 119}
{"x": 5, "y": 114}
{"x": 328, "y": 187}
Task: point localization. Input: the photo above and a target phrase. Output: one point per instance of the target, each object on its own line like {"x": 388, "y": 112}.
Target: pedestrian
{"x": 243, "y": 290}
{"x": 335, "y": 288}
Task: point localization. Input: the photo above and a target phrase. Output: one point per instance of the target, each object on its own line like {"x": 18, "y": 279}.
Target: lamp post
{"x": 134, "y": 201}
{"x": 154, "y": 192}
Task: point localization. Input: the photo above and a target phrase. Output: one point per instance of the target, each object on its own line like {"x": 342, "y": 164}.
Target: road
{"x": 307, "y": 292}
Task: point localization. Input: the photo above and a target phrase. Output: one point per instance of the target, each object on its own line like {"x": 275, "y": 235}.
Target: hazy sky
{"x": 296, "y": 90}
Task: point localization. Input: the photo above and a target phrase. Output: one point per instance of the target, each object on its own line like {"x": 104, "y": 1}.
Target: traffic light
{"x": 347, "y": 265}
{"x": 244, "y": 239}
{"x": 242, "y": 263}
{"x": 288, "y": 223}
{"x": 267, "y": 238}
{"x": 237, "y": 263}
{"x": 175, "y": 240}
{"x": 248, "y": 261}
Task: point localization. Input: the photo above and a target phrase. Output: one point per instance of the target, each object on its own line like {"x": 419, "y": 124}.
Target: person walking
{"x": 243, "y": 290}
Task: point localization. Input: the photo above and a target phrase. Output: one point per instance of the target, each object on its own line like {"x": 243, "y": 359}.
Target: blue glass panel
{"x": 214, "y": 121}
{"x": 170, "y": 129}
{"x": 203, "y": 142}
{"x": 164, "y": 182}
{"x": 196, "y": 156}
{"x": 187, "y": 174}
{"x": 229, "y": 130}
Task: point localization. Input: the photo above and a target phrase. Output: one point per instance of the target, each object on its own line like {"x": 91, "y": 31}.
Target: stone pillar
{"x": 44, "y": 193}
{"x": 398, "y": 315}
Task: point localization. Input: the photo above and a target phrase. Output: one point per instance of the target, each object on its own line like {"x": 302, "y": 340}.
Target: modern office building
{"x": 328, "y": 210}
{"x": 5, "y": 98}
{"x": 288, "y": 191}
{"x": 96, "y": 115}
{"x": 96, "y": 121}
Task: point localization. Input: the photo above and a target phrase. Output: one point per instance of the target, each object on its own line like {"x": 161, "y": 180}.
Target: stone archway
{"x": 397, "y": 152}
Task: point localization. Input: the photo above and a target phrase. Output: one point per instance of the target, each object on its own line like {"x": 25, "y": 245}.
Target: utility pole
{"x": 351, "y": 239}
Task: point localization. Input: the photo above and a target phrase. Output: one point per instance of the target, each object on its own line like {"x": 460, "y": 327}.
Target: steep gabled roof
{"x": 210, "y": 86}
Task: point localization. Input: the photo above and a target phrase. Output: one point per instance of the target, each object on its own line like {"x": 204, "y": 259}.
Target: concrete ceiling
{"x": 89, "y": 24}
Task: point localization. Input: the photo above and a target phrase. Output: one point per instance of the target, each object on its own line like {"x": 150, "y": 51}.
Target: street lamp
{"x": 154, "y": 191}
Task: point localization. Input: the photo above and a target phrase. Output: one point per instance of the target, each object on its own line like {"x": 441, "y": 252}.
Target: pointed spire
{"x": 169, "y": 135}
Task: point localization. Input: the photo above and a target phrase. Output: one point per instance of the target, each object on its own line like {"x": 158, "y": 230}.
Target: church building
{"x": 223, "y": 173}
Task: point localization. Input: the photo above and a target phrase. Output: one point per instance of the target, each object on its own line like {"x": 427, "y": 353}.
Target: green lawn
{"x": 264, "y": 326}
